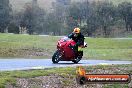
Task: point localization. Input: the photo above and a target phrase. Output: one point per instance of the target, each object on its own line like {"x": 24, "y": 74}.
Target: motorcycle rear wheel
{"x": 77, "y": 59}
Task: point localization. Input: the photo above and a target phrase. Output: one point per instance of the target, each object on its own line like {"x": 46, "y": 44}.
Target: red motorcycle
{"x": 65, "y": 51}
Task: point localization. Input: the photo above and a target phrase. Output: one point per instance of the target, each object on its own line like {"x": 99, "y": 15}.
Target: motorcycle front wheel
{"x": 56, "y": 57}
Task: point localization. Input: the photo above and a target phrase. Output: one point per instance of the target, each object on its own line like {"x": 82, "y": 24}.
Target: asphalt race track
{"x": 26, "y": 64}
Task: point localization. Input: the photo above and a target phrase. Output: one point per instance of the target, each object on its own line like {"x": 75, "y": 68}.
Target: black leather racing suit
{"x": 79, "y": 40}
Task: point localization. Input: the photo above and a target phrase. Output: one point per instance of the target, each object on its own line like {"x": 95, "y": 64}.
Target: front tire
{"x": 56, "y": 57}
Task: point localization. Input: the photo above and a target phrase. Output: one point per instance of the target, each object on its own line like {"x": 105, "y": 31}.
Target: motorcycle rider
{"x": 77, "y": 36}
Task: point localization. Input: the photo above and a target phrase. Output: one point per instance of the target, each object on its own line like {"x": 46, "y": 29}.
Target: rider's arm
{"x": 70, "y": 35}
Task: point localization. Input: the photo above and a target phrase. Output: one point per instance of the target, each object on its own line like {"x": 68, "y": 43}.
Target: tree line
{"x": 95, "y": 18}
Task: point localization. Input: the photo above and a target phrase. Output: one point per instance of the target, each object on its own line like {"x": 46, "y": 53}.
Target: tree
{"x": 93, "y": 21}
{"x": 125, "y": 10}
{"x": 74, "y": 15}
{"x": 4, "y": 14}
{"x": 13, "y": 28}
{"x": 33, "y": 18}
{"x": 53, "y": 25}
{"x": 57, "y": 18}
{"x": 105, "y": 13}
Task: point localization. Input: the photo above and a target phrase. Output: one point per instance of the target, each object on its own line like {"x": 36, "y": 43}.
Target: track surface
{"x": 26, "y": 64}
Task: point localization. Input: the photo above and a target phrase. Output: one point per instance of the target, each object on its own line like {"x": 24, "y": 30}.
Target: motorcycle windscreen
{"x": 62, "y": 43}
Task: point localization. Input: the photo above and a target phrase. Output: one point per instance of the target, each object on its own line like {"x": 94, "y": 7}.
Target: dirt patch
{"x": 52, "y": 81}
{"x": 40, "y": 82}
{"x": 26, "y": 52}
{"x": 65, "y": 80}
{"x": 57, "y": 81}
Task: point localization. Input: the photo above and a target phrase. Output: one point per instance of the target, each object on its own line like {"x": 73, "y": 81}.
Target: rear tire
{"x": 77, "y": 59}
{"x": 56, "y": 57}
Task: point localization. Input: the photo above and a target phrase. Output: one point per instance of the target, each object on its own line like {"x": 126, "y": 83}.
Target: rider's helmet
{"x": 76, "y": 30}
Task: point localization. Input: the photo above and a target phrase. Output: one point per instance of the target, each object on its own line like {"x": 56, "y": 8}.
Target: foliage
{"x": 125, "y": 10}
{"x": 4, "y": 14}
{"x": 101, "y": 16}
{"x": 95, "y": 18}
{"x": 12, "y": 28}
{"x": 33, "y": 18}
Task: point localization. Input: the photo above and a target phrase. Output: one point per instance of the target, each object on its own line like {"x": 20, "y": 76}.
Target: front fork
{"x": 61, "y": 53}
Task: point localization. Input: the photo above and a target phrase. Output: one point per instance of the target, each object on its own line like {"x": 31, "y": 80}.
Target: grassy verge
{"x": 109, "y": 48}
{"x": 34, "y": 46}
{"x": 10, "y": 76}
{"x": 130, "y": 36}
{"x": 116, "y": 2}
{"x": 69, "y": 72}
{"x": 26, "y": 46}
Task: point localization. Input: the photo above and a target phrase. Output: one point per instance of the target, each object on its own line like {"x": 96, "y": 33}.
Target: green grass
{"x": 108, "y": 48}
{"x": 10, "y": 76}
{"x": 130, "y": 36}
{"x": 110, "y": 54}
{"x": 19, "y": 46}
{"x": 20, "y": 41}
{"x": 116, "y": 2}
{"x": 115, "y": 86}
